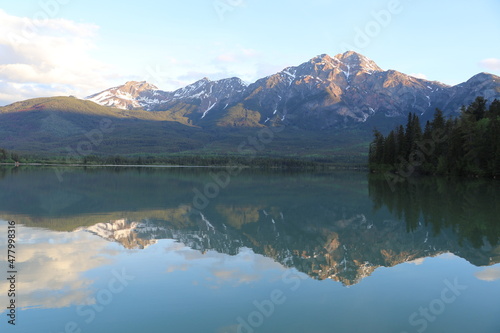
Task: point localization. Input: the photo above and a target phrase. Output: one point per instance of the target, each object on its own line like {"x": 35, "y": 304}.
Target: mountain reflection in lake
{"x": 265, "y": 231}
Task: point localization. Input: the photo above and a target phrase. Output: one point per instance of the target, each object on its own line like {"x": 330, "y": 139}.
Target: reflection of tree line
{"x": 321, "y": 224}
{"x": 469, "y": 207}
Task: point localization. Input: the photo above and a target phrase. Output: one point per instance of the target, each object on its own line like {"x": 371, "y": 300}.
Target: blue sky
{"x": 76, "y": 47}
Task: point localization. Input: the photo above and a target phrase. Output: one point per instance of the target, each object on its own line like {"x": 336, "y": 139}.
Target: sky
{"x": 77, "y": 47}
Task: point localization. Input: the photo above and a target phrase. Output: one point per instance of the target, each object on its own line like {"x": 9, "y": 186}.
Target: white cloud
{"x": 238, "y": 55}
{"x": 246, "y": 63}
{"x": 47, "y": 58}
{"x": 221, "y": 62}
{"x": 419, "y": 76}
{"x": 11, "y": 91}
{"x": 492, "y": 64}
{"x": 57, "y": 57}
{"x": 226, "y": 57}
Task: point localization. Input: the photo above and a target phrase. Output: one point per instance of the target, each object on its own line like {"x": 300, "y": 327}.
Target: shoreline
{"x": 78, "y": 165}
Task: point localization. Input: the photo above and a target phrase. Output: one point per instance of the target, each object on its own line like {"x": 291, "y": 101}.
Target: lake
{"x": 206, "y": 250}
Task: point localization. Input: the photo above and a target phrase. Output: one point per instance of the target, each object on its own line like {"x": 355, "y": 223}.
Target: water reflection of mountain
{"x": 327, "y": 226}
{"x": 348, "y": 250}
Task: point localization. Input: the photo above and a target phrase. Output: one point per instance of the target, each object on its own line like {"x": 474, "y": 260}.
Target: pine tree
{"x": 409, "y": 135}
{"x": 376, "y": 150}
{"x": 389, "y": 156}
{"x": 3, "y": 155}
{"x": 438, "y": 123}
{"x": 455, "y": 156}
{"x": 14, "y": 157}
{"x": 477, "y": 109}
{"x": 401, "y": 141}
{"x": 427, "y": 135}
{"x": 469, "y": 145}
{"x": 413, "y": 133}
{"x": 494, "y": 110}
{"x": 417, "y": 129}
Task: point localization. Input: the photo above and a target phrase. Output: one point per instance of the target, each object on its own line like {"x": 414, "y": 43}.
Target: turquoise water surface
{"x": 197, "y": 250}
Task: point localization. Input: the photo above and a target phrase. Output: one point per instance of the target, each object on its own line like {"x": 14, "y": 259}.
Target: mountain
{"x": 327, "y": 104}
{"x": 350, "y": 250}
{"x": 126, "y": 96}
{"x": 72, "y": 127}
{"x": 204, "y": 94}
{"x": 338, "y": 92}
{"x": 323, "y": 93}
{"x": 482, "y": 84}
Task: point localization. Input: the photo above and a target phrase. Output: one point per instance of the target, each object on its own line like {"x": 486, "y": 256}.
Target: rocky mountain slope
{"x": 126, "y": 96}
{"x": 326, "y": 105}
{"x": 325, "y": 92}
{"x": 350, "y": 250}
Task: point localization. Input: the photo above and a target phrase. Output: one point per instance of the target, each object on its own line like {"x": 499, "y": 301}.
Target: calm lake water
{"x": 191, "y": 250}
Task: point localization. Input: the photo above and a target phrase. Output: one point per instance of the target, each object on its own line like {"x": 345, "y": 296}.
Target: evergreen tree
{"x": 427, "y": 135}
{"x": 376, "y": 150}
{"x": 14, "y": 157}
{"x": 417, "y": 129}
{"x": 439, "y": 130}
{"x": 494, "y": 110}
{"x": 3, "y": 155}
{"x": 469, "y": 145}
{"x": 389, "y": 156}
{"x": 409, "y": 135}
{"x": 477, "y": 109}
{"x": 438, "y": 123}
{"x": 402, "y": 144}
{"x": 413, "y": 133}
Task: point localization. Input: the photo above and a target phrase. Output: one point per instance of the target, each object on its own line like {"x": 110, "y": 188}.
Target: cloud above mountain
{"x": 47, "y": 57}
{"x": 492, "y": 64}
{"x": 59, "y": 57}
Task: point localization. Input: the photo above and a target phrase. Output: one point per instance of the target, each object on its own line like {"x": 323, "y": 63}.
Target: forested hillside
{"x": 468, "y": 145}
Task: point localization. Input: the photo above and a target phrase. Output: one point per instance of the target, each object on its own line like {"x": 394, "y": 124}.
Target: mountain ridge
{"x": 346, "y": 88}
{"x": 326, "y": 104}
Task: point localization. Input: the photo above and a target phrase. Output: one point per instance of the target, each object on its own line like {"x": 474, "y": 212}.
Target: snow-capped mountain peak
{"x": 124, "y": 96}
{"x": 358, "y": 62}
{"x": 143, "y": 95}
{"x": 335, "y": 91}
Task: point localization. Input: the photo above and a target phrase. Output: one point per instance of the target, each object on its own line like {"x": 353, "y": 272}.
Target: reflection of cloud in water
{"x": 174, "y": 268}
{"x": 417, "y": 262}
{"x": 245, "y": 267}
{"x": 51, "y": 266}
{"x": 234, "y": 275}
{"x": 489, "y": 274}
